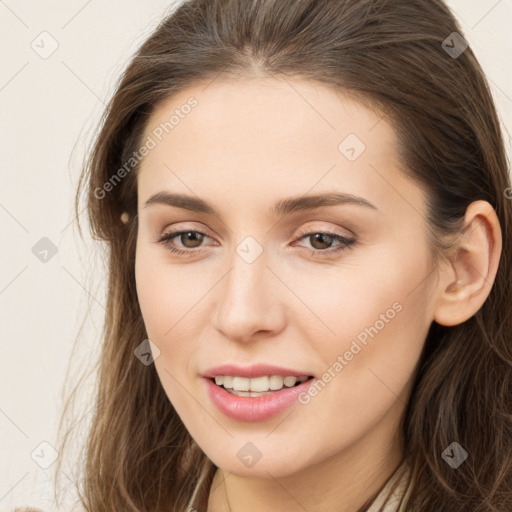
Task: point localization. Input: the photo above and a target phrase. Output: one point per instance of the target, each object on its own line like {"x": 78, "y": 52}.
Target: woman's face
{"x": 249, "y": 290}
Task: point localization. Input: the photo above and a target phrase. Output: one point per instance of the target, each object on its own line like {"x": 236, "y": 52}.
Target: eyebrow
{"x": 282, "y": 207}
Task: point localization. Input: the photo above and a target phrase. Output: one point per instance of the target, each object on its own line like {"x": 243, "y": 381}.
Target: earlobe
{"x": 468, "y": 279}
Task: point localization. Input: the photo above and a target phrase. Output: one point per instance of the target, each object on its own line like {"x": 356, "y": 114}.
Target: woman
{"x": 309, "y": 238}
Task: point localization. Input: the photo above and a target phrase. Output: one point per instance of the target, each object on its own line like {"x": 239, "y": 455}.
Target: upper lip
{"x": 256, "y": 370}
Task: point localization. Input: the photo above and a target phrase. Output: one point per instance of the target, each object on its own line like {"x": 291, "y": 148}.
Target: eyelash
{"x": 344, "y": 242}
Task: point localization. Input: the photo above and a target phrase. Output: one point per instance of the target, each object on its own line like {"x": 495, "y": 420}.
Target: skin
{"x": 246, "y": 145}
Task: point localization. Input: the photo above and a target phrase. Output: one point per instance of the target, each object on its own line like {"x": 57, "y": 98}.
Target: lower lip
{"x": 259, "y": 408}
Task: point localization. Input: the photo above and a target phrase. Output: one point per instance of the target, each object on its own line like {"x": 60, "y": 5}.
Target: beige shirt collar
{"x": 400, "y": 476}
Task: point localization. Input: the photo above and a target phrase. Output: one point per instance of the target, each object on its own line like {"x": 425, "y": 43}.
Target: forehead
{"x": 262, "y": 136}
{"x": 286, "y": 108}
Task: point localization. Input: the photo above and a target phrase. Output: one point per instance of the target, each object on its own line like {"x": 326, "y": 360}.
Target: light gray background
{"x": 48, "y": 108}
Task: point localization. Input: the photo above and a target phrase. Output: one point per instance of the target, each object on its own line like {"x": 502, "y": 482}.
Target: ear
{"x": 466, "y": 281}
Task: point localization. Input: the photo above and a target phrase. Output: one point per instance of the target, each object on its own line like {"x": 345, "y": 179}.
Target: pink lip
{"x": 244, "y": 408}
{"x": 256, "y": 370}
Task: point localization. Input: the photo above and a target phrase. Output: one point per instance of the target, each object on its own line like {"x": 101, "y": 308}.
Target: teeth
{"x": 257, "y": 384}
{"x": 241, "y": 384}
{"x": 276, "y": 382}
{"x": 289, "y": 381}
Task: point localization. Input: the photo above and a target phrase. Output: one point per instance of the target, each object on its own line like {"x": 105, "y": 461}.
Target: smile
{"x": 250, "y": 405}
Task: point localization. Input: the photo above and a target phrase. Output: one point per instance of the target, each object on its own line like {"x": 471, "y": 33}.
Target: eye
{"x": 191, "y": 239}
{"x": 322, "y": 241}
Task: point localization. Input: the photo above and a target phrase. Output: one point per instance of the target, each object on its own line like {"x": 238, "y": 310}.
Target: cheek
{"x": 162, "y": 305}
{"x": 382, "y": 289}
{"x": 374, "y": 314}
{"x": 170, "y": 299}
{"x": 166, "y": 293}
{"x": 149, "y": 293}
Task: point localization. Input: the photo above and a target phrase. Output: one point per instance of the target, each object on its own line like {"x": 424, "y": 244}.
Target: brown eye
{"x": 191, "y": 239}
{"x": 182, "y": 242}
{"x": 321, "y": 241}
{"x": 326, "y": 242}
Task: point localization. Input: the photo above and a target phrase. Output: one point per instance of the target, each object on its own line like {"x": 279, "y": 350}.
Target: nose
{"x": 249, "y": 301}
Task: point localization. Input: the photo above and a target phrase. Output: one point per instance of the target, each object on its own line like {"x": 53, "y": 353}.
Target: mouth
{"x": 257, "y": 386}
{"x": 255, "y": 398}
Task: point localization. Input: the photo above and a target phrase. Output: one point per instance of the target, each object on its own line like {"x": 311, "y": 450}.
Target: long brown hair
{"x": 391, "y": 55}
